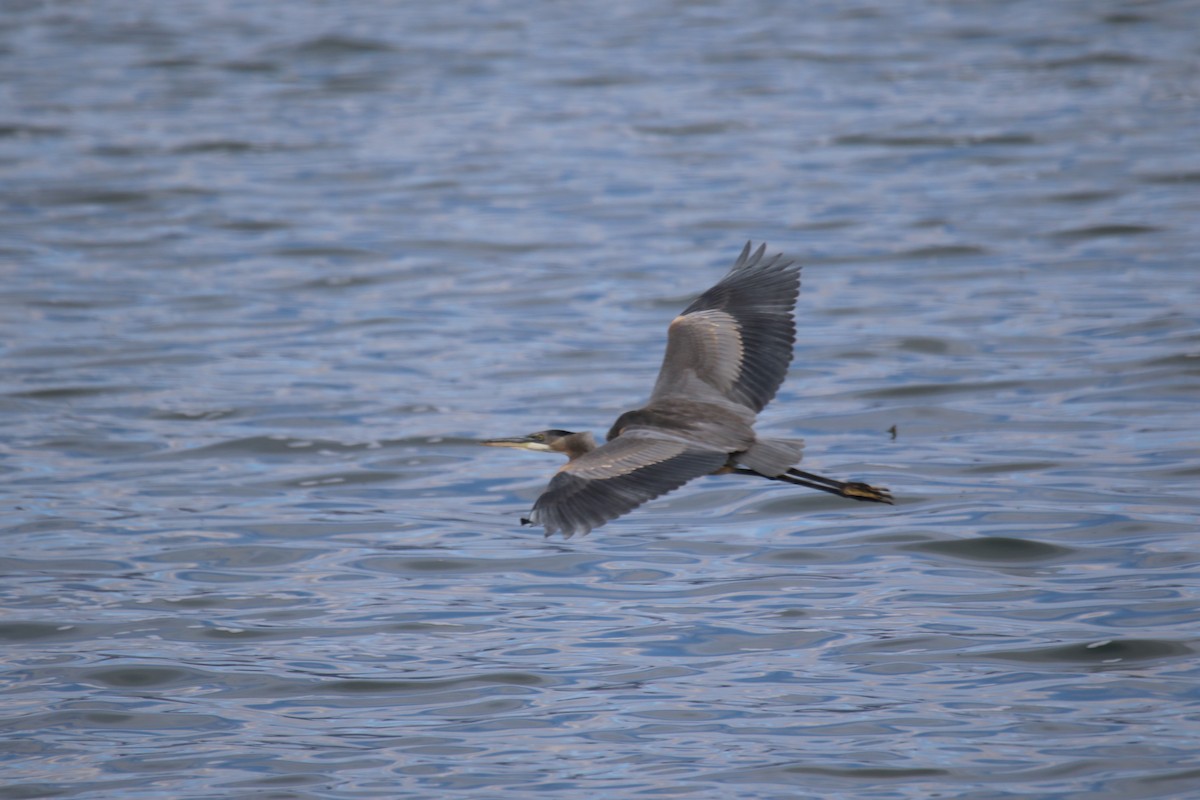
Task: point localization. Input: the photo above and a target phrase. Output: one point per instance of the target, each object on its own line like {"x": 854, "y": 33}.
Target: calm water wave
{"x": 269, "y": 272}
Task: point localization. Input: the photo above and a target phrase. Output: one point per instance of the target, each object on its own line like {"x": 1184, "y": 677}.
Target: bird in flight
{"x": 727, "y": 355}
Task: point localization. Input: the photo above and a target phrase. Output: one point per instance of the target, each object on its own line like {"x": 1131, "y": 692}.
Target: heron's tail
{"x": 772, "y": 457}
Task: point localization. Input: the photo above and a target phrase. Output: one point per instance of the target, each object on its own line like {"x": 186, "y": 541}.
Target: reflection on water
{"x": 271, "y": 272}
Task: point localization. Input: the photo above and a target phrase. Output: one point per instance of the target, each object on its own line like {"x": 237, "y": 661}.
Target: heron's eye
{"x": 537, "y": 437}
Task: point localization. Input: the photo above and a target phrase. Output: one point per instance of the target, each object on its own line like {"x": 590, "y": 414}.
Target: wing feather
{"x": 616, "y": 478}
{"x": 737, "y": 337}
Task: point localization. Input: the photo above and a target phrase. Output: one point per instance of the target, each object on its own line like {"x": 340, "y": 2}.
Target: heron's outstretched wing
{"x": 616, "y": 478}
{"x": 737, "y": 337}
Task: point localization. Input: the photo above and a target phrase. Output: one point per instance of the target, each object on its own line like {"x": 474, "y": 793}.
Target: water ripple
{"x": 271, "y": 273}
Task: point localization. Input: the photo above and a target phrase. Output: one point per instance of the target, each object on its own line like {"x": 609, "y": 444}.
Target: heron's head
{"x": 542, "y": 441}
{"x": 570, "y": 444}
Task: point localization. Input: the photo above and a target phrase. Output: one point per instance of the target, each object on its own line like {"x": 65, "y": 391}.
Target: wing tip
{"x": 745, "y": 254}
{"x": 745, "y": 259}
{"x": 748, "y": 260}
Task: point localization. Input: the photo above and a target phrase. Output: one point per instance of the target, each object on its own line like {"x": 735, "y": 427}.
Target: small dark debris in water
{"x": 894, "y": 432}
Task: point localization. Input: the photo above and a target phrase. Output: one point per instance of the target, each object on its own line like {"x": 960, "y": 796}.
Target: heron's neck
{"x": 577, "y": 444}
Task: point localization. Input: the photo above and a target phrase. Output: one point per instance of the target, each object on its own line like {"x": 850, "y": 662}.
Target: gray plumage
{"x": 727, "y": 355}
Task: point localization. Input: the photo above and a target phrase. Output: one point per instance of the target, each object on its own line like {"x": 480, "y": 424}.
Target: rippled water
{"x": 270, "y": 271}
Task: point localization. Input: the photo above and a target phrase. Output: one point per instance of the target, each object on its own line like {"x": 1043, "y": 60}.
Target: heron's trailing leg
{"x": 852, "y": 489}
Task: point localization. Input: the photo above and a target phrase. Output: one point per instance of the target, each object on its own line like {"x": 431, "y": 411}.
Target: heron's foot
{"x": 866, "y": 492}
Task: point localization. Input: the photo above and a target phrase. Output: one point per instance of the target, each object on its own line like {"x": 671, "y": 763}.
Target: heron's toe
{"x": 867, "y": 492}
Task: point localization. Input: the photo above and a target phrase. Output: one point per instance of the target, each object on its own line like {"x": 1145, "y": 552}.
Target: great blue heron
{"x": 727, "y": 354}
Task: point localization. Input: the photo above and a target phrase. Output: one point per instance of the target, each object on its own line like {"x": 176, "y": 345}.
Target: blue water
{"x": 270, "y": 271}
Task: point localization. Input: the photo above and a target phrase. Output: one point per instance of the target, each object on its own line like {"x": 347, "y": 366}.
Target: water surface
{"x": 269, "y": 272}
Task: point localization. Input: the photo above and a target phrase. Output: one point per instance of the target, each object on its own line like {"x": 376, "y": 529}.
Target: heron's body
{"x": 727, "y": 355}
